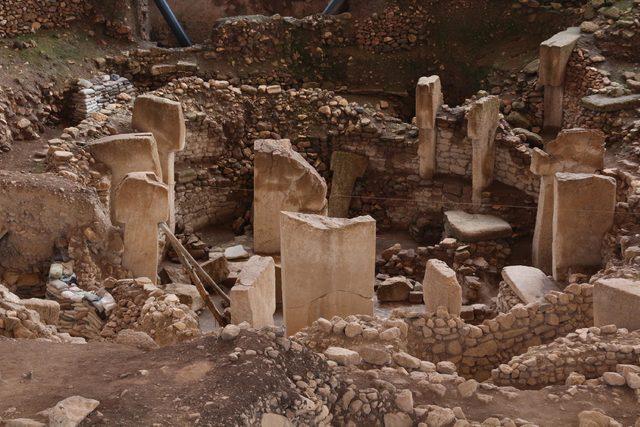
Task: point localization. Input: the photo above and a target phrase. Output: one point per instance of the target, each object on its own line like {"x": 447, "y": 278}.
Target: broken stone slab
{"x": 441, "y": 288}
{"x": 217, "y": 267}
{"x": 283, "y": 181}
{"x": 554, "y": 56}
{"x": 253, "y": 298}
{"x": 328, "y": 267}
{"x": 529, "y": 283}
{"x": 482, "y": 123}
{"x": 346, "y": 168}
{"x": 583, "y": 212}
{"x": 476, "y": 227}
{"x": 236, "y": 252}
{"x": 574, "y": 150}
{"x": 394, "y": 289}
{"x": 617, "y": 302}
{"x": 429, "y": 99}
{"x": 122, "y": 154}
{"x": 71, "y": 411}
{"x": 187, "y": 294}
{"x": 605, "y": 104}
{"x": 141, "y": 203}
{"x": 165, "y": 120}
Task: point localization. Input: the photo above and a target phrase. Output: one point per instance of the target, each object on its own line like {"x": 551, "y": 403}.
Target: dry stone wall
{"x": 25, "y": 16}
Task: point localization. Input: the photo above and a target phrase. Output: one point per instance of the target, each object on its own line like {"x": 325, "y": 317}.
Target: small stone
{"x": 230, "y": 332}
{"x": 342, "y": 356}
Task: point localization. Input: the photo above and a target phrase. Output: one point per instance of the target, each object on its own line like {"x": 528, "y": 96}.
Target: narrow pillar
{"x": 122, "y": 154}
{"x": 165, "y": 120}
{"x": 346, "y": 167}
{"x": 141, "y": 203}
{"x": 283, "y": 181}
{"x": 554, "y": 56}
{"x": 576, "y": 151}
{"x": 429, "y": 99}
{"x": 582, "y": 214}
{"x": 253, "y": 297}
{"x": 328, "y": 267}
{"x": 441, "y": 288}
{"x": 482, "y": 123}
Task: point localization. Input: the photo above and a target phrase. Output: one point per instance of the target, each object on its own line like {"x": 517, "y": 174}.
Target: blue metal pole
{"x": 334, "y": 7}
{"x": 173, "y": 23}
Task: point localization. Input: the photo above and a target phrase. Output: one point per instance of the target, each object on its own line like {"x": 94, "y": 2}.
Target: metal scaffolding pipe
{"x": 173, "y": 23}
{"x": 334, "y": 7}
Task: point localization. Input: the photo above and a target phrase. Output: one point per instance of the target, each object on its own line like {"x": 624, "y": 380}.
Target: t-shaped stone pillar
{"x": 482, "y": 123}
{"x": 165, "y": 120}
{"x": 346, "y": 167}
{"x": 328, "y": 267}
{"x": 582, "y": 214}
{"x": 283, "y": 181}
{"x": 133, "y": 152}
{"x": 429, "y": 99}
{"x": 141, "y": 203}
{"x": 554, "y": 56}
{"x": 574, "y": 150}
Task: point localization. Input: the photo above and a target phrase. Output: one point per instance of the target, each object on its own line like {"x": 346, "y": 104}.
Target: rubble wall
{"x": 24, "y": 16}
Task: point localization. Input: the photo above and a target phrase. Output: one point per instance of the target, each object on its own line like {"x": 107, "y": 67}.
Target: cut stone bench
{"x": 617, "y": 302}
{"x": 604, "y": 104}
{"x": 529, "y": 283}
{"x": 475, "y": 227}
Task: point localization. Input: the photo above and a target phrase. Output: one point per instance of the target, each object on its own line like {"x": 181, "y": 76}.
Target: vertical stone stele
{"x": 554, "y": 57}
{"x": 482, "y": 124}
{"x": 328, "y": 267}
{"x": 576, "y": 151}
{"x": 346, "y": 168}
{"x": 583, "y": 213}
{"x": 122, "y": 154}
{"x": 283, "y": 181}
{"x": 441, "y": 288}
{"x": 253, "y": 297}
{"x": 429, "y": 99}
{"x": 165, "y": 120}
{"x": 141, "y": 203}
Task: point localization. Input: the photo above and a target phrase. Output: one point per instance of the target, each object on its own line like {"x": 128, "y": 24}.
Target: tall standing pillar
{"x": 429, "y": 99}
{"x": 482, "y": 124}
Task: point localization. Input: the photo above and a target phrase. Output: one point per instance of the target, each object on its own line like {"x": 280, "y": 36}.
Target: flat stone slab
{"x": 617, "y": 302}
{"x": 475, "y": 227}
{"x": 529, "y": 283}
{"x": 605, "y": 104}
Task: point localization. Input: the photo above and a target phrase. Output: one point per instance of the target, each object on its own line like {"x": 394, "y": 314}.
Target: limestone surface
{"x": 529, "y": 283}
{"x": 346, "y": 168}
{"x": 617, "y": 302}
{"x": 441, "y": 288}
{"x": 253, "y": 298}
{"x": 476, "y": 227}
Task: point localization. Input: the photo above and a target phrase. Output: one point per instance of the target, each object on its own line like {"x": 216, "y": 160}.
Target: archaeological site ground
{"x": 320, "y": 213}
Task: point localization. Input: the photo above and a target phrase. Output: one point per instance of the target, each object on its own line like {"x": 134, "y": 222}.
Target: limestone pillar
{"x": 429, "y": 99}
{"x": 283, "y": 181}
{"x": 346, "y": 167}
{"x": 328, "y": 267}
{"x": 574, "y": 150}
{"x": 554, "y": 56}
{"x": 441, "y": 288}
{"x": 141, "y": 203}
{"x": 122, "y": 154}
{"x": 253, "y": 297}
{"x": 165, "y": 120}
{"x": 482, "y": 123}
{"x": 583, "y": 212}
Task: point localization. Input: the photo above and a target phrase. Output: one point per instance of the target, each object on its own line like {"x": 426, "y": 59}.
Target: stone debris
{"x": 474, "y": 228}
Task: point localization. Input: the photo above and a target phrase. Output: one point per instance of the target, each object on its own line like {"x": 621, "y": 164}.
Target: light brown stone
{"x": 283, "y": 181}
{"x": 165, "y": 120}
{"x": 482, "y": 123}
{"x": 141, "y": 203}
{"x": 576, "y": 151}
{"x": 476, "y": 227}
{"x": 441, "y": 288}
{"x": 583, "y": 213}
{"x": 328, "y": 267}
{"x": 346, "y": 168}
{"x": 617, "y": 302}
{"x": 429, "y": 99}
{"x": 134, "y": 152}
{"x": 253, "y": 298}
{"x": 529, "y": 283}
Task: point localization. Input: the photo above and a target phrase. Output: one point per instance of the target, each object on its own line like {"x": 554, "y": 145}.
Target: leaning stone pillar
{"x": 582, "y": 214}
{"x": 554, "y": 56}
{"x": 574, "y": 150}
{"x": 482, "y": 123}
{"x": 346, "y": 167}
{"x": 141, "y": 203}
{"x": 283, "y": 181}
{"x": 165, "y": 120}
{"x": 122, "y": 154}
{"x": 328, "y": 267}
{"x": 429, "y": 99}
